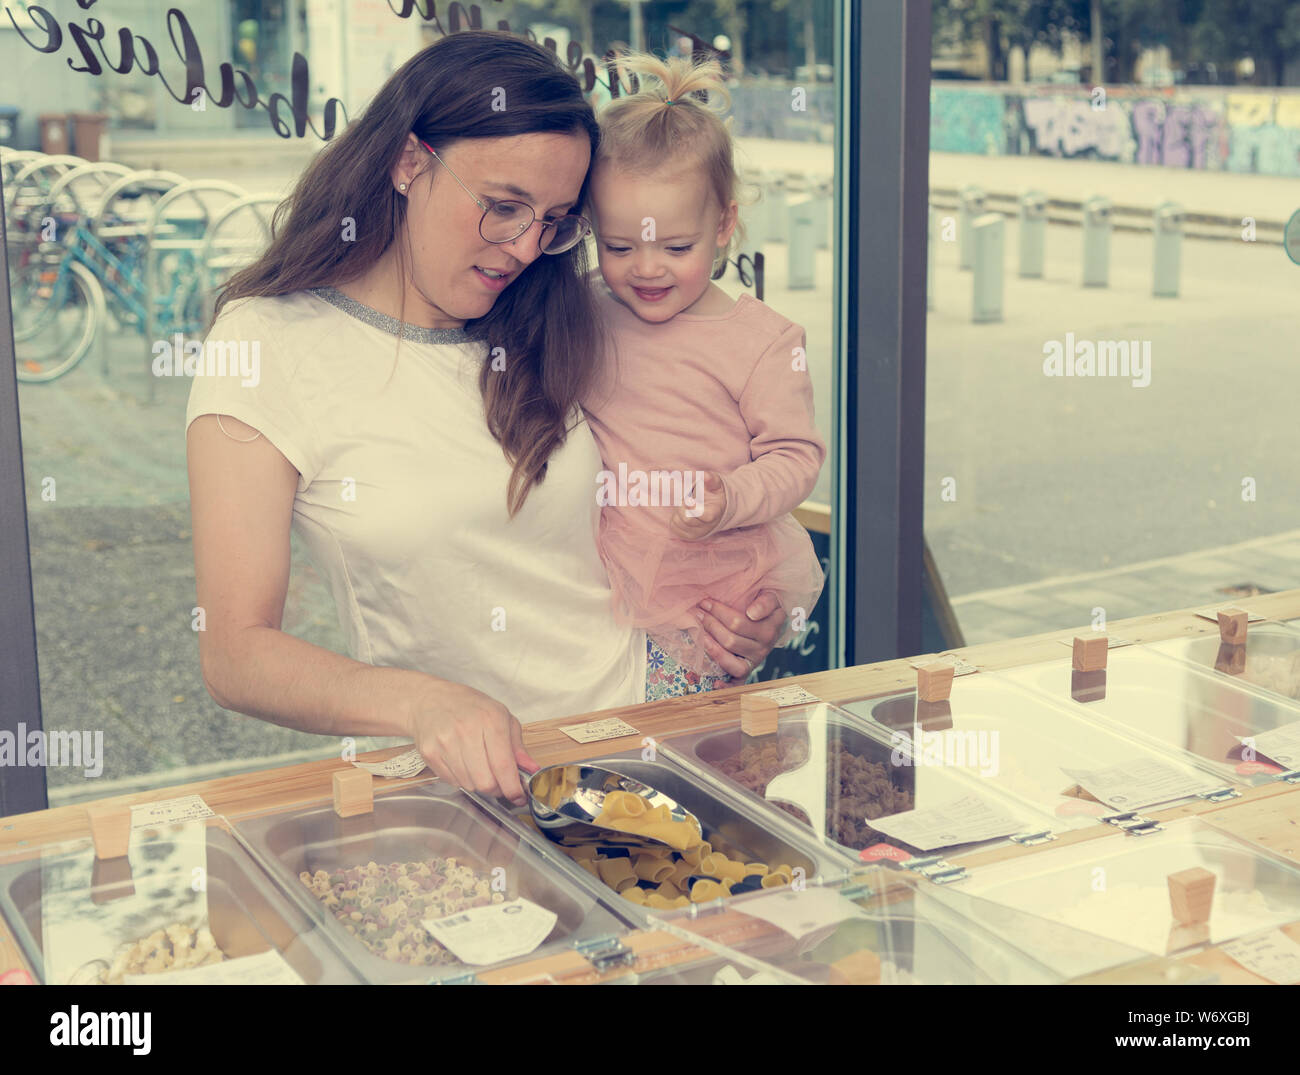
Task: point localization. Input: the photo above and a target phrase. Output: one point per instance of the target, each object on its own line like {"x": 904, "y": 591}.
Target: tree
{"x": 1268, "y": 31}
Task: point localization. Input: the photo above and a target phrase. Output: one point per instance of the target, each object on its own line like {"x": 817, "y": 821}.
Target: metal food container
{"x": 729, "y": 823}
{"x": 62, "y": 903}
{"x": 1186, "y": 710}
{"x": 413, "y": 825}
{"x": 1269, "y": 659}
{"x": 1036, "y": 732}
{"x": 1114, "y": 895}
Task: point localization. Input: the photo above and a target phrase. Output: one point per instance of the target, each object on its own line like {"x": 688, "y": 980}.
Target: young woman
{"x": 424, "y": 331}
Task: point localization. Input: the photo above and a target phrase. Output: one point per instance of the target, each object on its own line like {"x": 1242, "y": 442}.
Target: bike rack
{"x": 236, "y": 251}
{"x": 161, "y": 234}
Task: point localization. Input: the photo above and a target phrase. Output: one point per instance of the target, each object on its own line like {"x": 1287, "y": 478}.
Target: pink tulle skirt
{"x": 657, "y": 579}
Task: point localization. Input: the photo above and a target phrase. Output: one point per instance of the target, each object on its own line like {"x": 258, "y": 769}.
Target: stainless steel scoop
{"x": 566, "y": 813}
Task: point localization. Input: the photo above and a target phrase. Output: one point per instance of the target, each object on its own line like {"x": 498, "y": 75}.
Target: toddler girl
{"x": 703, "y": 412}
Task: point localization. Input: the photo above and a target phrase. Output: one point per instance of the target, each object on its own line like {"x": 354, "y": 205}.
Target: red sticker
{"x": 883, "y": 851}
{"x": 1080, "y": 806}
{"x": 1246, "y": 768}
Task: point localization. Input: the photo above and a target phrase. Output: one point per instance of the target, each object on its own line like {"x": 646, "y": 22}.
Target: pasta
{"x": 627, "y": 812}
{"x": 382, "y": 906}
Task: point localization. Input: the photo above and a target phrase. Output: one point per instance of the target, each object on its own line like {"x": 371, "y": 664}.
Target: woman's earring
{"x": 401, "y": 187}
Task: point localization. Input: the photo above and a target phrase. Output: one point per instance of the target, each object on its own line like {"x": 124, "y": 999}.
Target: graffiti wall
{"x": 1201, "y": 128}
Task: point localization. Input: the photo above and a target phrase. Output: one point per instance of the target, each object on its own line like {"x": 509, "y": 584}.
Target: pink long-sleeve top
{"x": 728, "y": 393}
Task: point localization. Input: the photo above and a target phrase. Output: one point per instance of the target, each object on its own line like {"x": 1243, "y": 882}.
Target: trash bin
{"x": 8, "y": 126}
{"x": 54, "y": 132}
{"x": 87, "y": 133}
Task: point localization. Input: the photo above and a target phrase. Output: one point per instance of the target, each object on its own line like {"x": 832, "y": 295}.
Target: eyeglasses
{"x": 506, "y": 221}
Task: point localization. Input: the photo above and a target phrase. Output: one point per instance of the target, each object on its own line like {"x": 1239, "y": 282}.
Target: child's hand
{"x": 710, "y": 502}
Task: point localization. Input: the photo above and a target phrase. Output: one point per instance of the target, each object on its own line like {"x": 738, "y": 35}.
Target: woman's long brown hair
{"x": 546, "y": 320}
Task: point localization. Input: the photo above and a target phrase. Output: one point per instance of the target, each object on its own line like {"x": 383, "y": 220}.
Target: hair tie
{"x": 672, "y": 102}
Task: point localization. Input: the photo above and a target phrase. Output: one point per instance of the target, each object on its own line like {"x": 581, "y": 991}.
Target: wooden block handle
{"x": 110, "y": 829}
{"x": 1191, "y": 895}
{"x": 1090, "y": 652}
{"x": 934, "y": 681}
{"x": 1232, "y": 625}
{"x": 758, "y": 714}
{"x": 354, "y": 792}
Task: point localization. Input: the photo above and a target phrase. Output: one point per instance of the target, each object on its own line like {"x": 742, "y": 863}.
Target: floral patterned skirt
{"x": 665, "y": 678}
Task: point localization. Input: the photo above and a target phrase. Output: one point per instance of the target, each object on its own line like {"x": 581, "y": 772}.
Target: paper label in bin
{"x": 266, "y": 968}
{"x": 597, "y": 730}
{"x": 1141, "y": 782}
{"x": 169, "y": 812}
{"x": 490, "y": 934}
{"x": 964, "y": 820}
{"x": 1281, "y": 745}
{"x": 783, "y": 696}
{"x": 1273, "y": 956}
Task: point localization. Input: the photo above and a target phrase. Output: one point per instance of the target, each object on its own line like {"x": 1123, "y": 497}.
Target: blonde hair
{"x": 677, "y": 112}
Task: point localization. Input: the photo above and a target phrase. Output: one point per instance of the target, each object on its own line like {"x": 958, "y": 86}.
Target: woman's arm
{"x": 241, "y": 499}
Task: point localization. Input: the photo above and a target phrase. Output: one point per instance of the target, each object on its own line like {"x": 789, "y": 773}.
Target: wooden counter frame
{"x": 249, "y": 794}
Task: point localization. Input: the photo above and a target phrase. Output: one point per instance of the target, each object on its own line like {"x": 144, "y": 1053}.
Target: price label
{"x": 596, "y": 730}
{"x": 169, "y": 812}
{"x": 1272, "y": 955}
{"x": 267, "y": 968}
{"x": 408, "y": 763}
{"x": 791, "y": 695}
{"x": 1281, "y": 745}
{"x": 490, "y": 934}
{"x": 1142, "y": 782}
{"x": 965, "y": 820}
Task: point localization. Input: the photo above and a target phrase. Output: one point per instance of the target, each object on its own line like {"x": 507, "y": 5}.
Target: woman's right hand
{"x": 470, "y": 739}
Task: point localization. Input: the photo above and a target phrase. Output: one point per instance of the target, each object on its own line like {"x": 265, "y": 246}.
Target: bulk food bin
{"x": 830, "y": 775}
{"x": 1269, "y": 659}
{"x": 848, "y": 934}
{"x": 1034, "y": 739}
{"x": 180, "y": 889}
{"x": 421, "y": 825}
{"x": 1116, "y": 890}
{"x": 733, "y": 827}
{"x": 1170, "y": 705}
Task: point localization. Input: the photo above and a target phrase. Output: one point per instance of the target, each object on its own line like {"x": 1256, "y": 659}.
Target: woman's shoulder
{"x": 269, "y": 311}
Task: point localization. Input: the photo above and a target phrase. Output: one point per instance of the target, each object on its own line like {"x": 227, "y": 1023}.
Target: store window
{"x": 1110, "y": 425}
{"x": 145, "y": 146}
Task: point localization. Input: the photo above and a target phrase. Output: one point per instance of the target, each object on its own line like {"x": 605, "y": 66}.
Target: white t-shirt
{"x": 401, "y": 504}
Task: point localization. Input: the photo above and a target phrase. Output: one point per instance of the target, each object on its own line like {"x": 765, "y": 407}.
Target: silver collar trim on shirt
{"x": 389, "y": 324}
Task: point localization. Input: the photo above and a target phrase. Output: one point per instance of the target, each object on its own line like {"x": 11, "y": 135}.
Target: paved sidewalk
{"x": 1207, "y": 578}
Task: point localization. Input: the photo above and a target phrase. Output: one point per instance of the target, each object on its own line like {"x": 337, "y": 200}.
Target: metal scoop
{"x": 566, "y": 813}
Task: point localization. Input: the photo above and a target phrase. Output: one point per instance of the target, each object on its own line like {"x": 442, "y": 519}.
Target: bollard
{"x": 1096, "y": 242}
{"x": 929, "y": 262}
{"x": 971, "y": 200}
{"x": 1033, "y": 233}
{"x": 801, "y": 251}
{"x": 823, "y": 205}
{"x": 776, "y": 227}
{"x": 987, "y": 244}
{"x": 1167, "y": 232}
